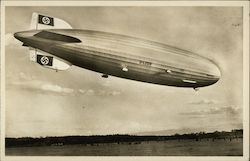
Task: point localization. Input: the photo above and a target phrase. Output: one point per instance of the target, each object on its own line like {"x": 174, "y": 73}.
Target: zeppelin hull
{"x": 125, "y": 57}
{"x": 100, "y": 62}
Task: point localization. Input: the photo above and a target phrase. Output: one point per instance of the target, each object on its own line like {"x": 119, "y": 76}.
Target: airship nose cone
{"x": 216, "y": 72}
{"x": 211, "y": 70}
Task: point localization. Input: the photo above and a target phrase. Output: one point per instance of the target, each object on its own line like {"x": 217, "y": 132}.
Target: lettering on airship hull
{"x": 145, "y": 63}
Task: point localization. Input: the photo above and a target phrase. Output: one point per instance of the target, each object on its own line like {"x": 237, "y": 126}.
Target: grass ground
{"x": 150, "y": 148}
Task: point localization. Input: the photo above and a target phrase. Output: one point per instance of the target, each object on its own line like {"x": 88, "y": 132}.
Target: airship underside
{"x": 120, "y": 56}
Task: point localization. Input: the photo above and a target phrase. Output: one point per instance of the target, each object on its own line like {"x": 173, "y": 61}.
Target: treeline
{"x": 99, "y": 139}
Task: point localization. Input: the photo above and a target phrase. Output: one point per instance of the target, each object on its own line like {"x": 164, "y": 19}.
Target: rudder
{"x": 41, "y": 21}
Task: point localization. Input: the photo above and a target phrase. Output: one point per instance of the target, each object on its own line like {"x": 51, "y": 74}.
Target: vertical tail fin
{"x": 41, "y": 21}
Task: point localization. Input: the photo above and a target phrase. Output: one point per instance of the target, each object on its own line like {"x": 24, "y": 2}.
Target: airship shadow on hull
{"x": 57, "y": 46}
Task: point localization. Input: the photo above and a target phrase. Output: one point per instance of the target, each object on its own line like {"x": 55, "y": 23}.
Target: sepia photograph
{"x": 125, "y": 80}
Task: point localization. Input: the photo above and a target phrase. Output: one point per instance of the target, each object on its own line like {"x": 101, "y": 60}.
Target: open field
{"x": 203, "y": 147}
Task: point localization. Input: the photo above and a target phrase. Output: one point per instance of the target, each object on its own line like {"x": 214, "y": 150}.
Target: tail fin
{"x": 40, "y": 21}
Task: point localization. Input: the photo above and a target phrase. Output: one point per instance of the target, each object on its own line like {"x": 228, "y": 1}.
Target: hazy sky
{"x": 42, "y": 102}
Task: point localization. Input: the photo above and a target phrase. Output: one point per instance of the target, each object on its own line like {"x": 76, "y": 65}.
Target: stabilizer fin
{"x": 42, "y": 21}
{"x": 47, "y": 60}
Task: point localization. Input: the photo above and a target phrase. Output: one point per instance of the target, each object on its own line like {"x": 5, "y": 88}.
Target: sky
{"x": 42, "y": 102}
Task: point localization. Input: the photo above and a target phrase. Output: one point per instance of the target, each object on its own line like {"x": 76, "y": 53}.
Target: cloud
{"x": 25, "y": 81}
{"x": 207, "y": 102}
{"x": 43, "y": 87}
{"x": 23, "y": 76}
{"x": 108, "y": 93}
{"x": 56, "y": 88}
{"x": 229, "y": 110}
{"x": 88, "y": 92}
{"x": 99, "y": 92}
{"x": 29, "y": 82}
{"x": 10, "y": 40}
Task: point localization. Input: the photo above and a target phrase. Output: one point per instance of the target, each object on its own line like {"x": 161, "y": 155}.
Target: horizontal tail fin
{"x": 41, "y": 21}
{"x": 47, "y": 60}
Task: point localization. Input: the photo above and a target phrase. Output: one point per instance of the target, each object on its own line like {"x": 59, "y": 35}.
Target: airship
{"x": 54, "y": 44}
